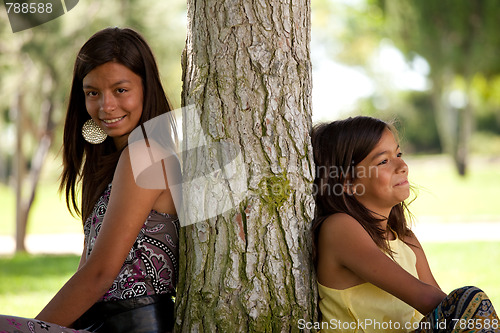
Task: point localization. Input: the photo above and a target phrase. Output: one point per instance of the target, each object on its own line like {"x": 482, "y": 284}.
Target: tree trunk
{"x": 465, "y": 129}
{"x": 247, "y": 72}
{"x": 454, "y": 126}
{"x": 20, "y": 170}
{"x": 446, "y": 121}
{"x": 24, "y": 201}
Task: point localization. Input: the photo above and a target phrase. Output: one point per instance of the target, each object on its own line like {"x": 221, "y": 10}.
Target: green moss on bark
{"x": 275, "y": 190}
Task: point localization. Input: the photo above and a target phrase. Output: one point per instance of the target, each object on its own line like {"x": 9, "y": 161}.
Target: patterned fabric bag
{"x": 466, "y": 309}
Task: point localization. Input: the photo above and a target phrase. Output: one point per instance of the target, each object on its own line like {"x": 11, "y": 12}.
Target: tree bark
{"x": 247, "y": 72}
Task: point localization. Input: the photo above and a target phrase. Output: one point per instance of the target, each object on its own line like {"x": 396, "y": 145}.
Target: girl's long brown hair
{"x": 93, "y": 165}
{"x": 338, "y": 147}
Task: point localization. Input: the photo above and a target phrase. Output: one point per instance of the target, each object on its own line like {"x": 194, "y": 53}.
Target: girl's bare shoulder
{"x": 341, "y": 223}
{"x": 342, "y": 230}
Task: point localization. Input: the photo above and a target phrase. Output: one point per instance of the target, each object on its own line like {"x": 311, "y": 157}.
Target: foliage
{"x": 453, "y": 36}
{"x": 413, "y": 116}
{"x": 488, "y": 110}
{"x": 452, "y": 43}
{"x": 459, "y": 40}
{"x": 350, "y": 33}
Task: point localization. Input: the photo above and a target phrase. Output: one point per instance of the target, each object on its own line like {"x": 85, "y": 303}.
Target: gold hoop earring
{"x": 92, "y": 133}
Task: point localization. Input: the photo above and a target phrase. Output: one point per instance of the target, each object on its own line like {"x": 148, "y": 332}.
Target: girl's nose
{"x": 108, "y": 103}
{"x": 402, "y": 167}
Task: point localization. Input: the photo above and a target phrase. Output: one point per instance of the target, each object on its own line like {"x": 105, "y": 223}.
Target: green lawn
{"x": 450, "y": 198}
{"x": 28, "y": 282}
{"x": 461, "y": 264}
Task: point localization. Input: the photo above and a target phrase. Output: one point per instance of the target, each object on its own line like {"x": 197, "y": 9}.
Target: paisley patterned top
{"x": 152, "y": 263}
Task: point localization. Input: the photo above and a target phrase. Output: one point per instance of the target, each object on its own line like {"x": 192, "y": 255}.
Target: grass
{"x": 450, "y": 198}
{"x": 28, "y": 282}
{"x": 461, "y": 264}
{"x": 48, "y": 215}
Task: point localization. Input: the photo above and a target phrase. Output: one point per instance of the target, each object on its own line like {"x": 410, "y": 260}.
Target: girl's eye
{"x": 91, "y": 93}
{"x": 400, "y": 154}
{"x": 121, "y": 90}
{"x": 383, "y": 162}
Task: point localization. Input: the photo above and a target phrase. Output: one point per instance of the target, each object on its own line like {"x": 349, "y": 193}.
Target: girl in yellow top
{"x": 372, "y": 272}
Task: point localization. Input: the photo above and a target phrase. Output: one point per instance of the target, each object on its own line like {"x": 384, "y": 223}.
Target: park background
{"x": 361, "y": 65}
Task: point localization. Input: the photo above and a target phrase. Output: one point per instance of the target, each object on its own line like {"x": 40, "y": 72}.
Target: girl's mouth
{"x": 404, "y": 182}
{"x": 112, "y": 121}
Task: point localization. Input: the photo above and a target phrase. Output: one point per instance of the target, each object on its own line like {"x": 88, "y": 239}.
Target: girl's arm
{"x": 423, "y": 268}
{"x": 129, "y": 206}
{"x": 344, "y": 241}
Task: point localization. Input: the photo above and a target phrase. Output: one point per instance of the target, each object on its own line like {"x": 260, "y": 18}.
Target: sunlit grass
{"x": 28, "y": 282}
{"x": 7, "y": 210}
{"x": 451, "y": 198}
{"x": 455, "y": 265}
{"x": 49, "y": 213}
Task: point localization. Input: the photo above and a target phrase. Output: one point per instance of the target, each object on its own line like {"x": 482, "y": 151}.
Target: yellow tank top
{"x": 367, "y": 308}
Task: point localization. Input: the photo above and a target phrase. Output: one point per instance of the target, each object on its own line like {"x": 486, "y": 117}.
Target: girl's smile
{"x": 112, "y": 122}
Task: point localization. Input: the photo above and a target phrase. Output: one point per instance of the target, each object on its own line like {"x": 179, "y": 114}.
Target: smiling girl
{"x": 373, "y": 275}
{"x": 128, "y": 269}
